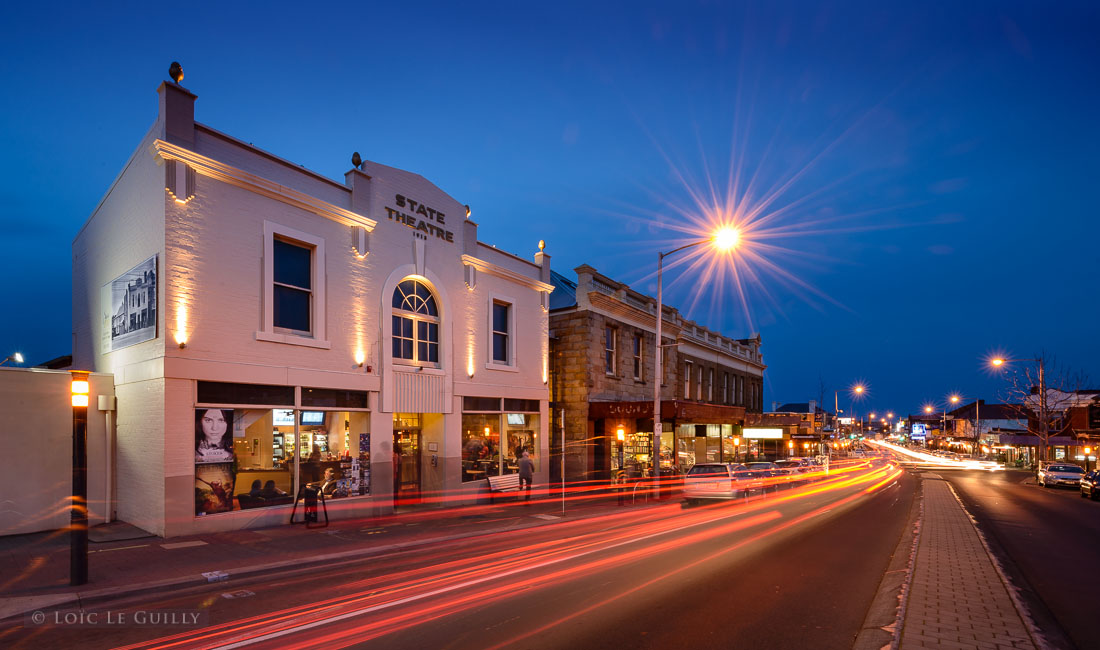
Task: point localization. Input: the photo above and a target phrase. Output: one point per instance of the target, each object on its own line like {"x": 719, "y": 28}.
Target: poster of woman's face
{"x": 214, "y": 436}
{"x": 213, "y": 488}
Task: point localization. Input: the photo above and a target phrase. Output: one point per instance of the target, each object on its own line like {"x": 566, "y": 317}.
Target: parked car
{"x": 1089, "y": 483}
{"x": 773, "y": 474}
{"x": 720, "y": 481}
{"x": 797, "y": 468}
{"x": 1060, "y": 474}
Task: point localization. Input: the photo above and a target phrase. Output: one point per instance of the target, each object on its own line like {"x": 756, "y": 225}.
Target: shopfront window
{"x": 250, "y": 458}
{"x": 521, "y": 430}
{"x": 493, "y": 440}
{"x": 480, "y": 445}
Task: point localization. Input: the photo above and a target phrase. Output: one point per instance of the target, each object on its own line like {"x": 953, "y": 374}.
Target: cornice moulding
{"x": 238, "y": 177}
{"x": 499, "y": 271}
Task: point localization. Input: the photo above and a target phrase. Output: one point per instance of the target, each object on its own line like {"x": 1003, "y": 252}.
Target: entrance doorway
{"x": 406, "y": 447}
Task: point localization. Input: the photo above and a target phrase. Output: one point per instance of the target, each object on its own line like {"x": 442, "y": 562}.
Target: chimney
{"x": 543, "y": 260}
{"x": 177, "y": 113}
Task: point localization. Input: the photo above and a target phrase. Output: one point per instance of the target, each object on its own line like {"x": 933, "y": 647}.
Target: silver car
{"x": 720, "y": 481}
{"x": 1060, "y": 474}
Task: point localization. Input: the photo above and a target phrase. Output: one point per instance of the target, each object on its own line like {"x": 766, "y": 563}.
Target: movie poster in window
{"x": 214, "y": 488}
{"x": 214, "y": 436}
{"x": 129, "y": 309}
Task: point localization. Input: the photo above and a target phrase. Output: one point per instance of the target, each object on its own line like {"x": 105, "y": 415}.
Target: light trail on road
{"x": 453, "y": 586}
{"x": 931, "y": 460}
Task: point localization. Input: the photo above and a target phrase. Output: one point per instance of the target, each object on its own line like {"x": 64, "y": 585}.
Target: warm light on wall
{"x": 470, "y": 365}
{"x": 360, "y": 357}
{"x": 181, "y": 325}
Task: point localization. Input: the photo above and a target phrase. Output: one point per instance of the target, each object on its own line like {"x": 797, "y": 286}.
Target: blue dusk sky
{"x": 916, "y": 182}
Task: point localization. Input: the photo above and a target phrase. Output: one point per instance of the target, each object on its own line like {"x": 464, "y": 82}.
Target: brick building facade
{"x": 602, "y": 367}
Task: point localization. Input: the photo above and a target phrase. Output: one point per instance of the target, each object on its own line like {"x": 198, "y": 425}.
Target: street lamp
{"x": 998, "y": 362}
{"x": 858, "y": 392}
{"x": 17, "y": 358}
{"x": 723, "y": 239}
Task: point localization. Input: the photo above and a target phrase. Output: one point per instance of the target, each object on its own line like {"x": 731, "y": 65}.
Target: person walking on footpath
{"x": 526, "y": 473}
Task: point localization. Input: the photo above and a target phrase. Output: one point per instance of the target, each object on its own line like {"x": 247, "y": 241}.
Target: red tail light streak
{"x": 488, "y": 568}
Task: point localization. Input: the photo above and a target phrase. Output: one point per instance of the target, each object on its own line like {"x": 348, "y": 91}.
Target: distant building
{"x": 602, "y": 366}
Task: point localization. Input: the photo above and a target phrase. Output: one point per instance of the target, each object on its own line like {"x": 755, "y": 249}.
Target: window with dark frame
{"x": 501, "y": 319}
{"x": 609, "y": 350}
{"x": 292, "y": 296}
{"x": 687, "y": 380}
{"x": 638, "y": 356}
{"x": 415, "y": 323}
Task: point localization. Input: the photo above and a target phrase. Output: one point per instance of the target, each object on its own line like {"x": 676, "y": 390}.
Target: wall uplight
{"x": 181, "y": 325}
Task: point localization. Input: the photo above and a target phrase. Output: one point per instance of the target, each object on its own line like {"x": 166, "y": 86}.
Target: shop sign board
{"x": 762, "y": 434}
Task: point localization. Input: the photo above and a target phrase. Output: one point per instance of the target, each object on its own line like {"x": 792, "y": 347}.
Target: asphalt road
{"x": 798, "y": 568}
{"x": 1048, "y": 541}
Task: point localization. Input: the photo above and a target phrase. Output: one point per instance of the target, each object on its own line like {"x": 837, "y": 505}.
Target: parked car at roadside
{"x": 797, "y": 469}
{"x": 773, "y": 474}
{"x": 1060, "y": 474}
{"x": 1089, "y": 484}
{"x": 720, "y": 481}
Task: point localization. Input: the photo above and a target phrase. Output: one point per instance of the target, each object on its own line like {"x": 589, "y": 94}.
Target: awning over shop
{"x": 670, "y": 410}
{"x": 1033, "y": 441}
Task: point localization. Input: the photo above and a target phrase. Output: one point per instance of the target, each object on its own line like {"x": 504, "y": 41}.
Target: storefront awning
{"x": 688, "y": 412}
{"x": 1033, "y": 441}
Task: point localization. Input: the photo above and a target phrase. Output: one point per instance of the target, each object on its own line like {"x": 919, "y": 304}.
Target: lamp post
{"x": 723, "y": 239}
{"x": 78, "y": 508}
{"x": 998, "y": 362}
{"x": 16, "y": 357}
{"x": 857, "y": 394}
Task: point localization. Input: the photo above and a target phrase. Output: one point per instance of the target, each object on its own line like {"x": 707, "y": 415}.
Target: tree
{"x": 1041, "y": 391}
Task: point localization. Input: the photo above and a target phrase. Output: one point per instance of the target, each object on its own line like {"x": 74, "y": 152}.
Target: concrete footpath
{"x": 954, "y": 594}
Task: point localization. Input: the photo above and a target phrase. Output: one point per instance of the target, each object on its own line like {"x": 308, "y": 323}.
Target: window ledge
{"x": 292, "y": 339}
{"x": 426, "y": 370}
{"x": 501, "y": 366}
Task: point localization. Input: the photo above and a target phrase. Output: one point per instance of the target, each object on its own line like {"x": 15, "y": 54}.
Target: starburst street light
{"x": 999, "y": 362}
{"x": 724, "y": 240}
{"x": 859, "y": 391}
{"x": 17, "y": 358}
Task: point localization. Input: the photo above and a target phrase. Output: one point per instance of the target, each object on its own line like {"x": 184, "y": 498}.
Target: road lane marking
{"x": 117, "y": 548}
{"x": 197, "y": 542}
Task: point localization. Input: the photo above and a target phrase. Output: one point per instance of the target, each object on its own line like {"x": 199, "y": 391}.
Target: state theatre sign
{"x": 427, "y": 221}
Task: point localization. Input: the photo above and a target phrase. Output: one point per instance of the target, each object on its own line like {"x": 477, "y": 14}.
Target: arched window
{"x": 415, "y": 323}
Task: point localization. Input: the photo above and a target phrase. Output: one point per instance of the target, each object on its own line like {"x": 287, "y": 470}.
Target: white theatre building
{"x": 301, "y": 325}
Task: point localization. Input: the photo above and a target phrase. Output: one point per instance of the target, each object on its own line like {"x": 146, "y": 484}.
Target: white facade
{"x": 214, "y": 211}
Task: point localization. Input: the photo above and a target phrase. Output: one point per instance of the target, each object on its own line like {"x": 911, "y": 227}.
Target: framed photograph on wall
{"x": 130, "y": 307}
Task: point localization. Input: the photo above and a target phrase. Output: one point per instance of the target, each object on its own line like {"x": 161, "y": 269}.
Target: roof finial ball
{"x": 356, "y": 159}
{"x": 542, "y": 244}
{"x": 175, "y": 71}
